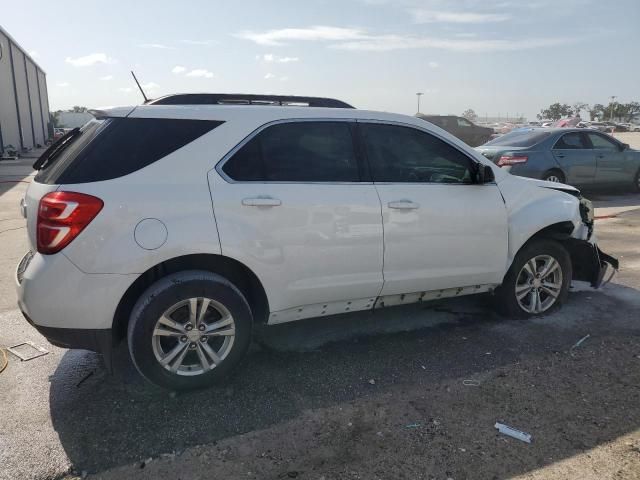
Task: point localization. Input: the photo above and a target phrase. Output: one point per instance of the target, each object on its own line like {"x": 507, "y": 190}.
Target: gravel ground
{"x": 355, "y": 396}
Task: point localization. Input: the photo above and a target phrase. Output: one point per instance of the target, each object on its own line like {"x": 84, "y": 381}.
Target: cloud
{"x": 205, "y": 43}
{"x": 62, "y": 84}
{"x": 178, "y": 69}
{"x": 271, "y": 58}
{"x": 437, "y": 16}
{"x": 361, "y": 40}
{"x": 200, "y": 72}
{"x": 90, "y": 60}
{"x": 284, "y": 78}
{"x": 433, "y": 64}
{"x": 158, "y": 46}
{"x": 150, "y": 86}
{"x": 386, "y": 43}
{"x": 317, "y": 32}
{"x": 125, "y": 89}
{"x": 106, "y": 78}
{"x": 269, "y": 76}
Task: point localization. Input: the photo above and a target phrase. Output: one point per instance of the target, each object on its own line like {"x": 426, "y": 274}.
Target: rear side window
{"x": 115, "y": 147}
{"x": 527, "y": 138}
{"x": 297, "y": 152}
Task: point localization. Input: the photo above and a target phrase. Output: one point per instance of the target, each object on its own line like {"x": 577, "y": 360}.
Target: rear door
{"x": 577, "y": 160}
{"x": 290, "y": 205}
{"x": 440, "y": 229}
{"x": 610, "y": 161}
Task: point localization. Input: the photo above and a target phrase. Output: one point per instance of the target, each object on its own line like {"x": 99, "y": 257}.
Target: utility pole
{"x": 611, "y": 99}
{"x": 419, "y": 94}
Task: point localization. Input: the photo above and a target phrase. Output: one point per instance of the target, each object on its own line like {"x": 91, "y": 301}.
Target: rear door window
{"x": 115, "y": 147}
{"x": 297, "y": 152}
{"x": 571, "y": 141}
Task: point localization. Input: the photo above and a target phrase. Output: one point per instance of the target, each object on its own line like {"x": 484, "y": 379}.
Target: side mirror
{"x": 624, "y": 146}
{"x": 485, "y": 174}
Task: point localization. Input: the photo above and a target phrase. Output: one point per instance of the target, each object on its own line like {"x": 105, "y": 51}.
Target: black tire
{"x": 636, "y": 182}
{"x": 505, "y": 298}
{"x": 554, "y": 173}
{"x": 169, "y": 291}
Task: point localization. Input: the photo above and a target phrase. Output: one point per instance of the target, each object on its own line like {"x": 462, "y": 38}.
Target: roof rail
{"x": 244, "y": 99}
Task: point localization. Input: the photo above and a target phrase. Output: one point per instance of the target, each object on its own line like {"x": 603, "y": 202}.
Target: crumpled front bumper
{"x": 590, "y": 264}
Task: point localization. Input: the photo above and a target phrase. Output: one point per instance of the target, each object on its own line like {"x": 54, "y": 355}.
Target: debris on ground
{"x": 28, "y": 350}
{"x": 372, "y": 381}
{"x": 412, "y": 425}
{"x": 512, "y": 432}
{"x": 471, "y": 383}
{"x": 578, "y": 343}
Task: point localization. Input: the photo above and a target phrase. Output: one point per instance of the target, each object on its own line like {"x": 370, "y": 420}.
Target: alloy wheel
{"x": 539, "y": 284}
{"x": 193, "y": 336}
{"x": 553, "y": 178}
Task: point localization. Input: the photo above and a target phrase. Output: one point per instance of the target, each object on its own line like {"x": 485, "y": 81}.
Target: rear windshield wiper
{"x": 54, "y": 150}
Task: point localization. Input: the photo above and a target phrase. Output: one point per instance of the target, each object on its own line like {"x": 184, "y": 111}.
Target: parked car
{"x": 467, "y": 131}
{"x": 603, "y": 127}
{"x": 178, "y": 225}
{"x": 628, "y": 127}
{"x": 579, "y": 157}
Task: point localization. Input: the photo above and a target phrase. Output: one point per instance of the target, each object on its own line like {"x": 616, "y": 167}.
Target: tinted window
{"x": 601, "y": 143}
{"x": 527, "y": 138}
{"x": 402, "y": 154}
{"x": 115, "y": 147}
{"x": 297, "y": 152}
{"x": 570, "y": 141}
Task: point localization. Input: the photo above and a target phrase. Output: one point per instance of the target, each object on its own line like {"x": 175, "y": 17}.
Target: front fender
{"x": 533, "y": 205}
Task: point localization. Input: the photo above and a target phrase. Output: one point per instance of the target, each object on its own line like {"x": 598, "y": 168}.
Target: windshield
{"x": 520, "y": 139}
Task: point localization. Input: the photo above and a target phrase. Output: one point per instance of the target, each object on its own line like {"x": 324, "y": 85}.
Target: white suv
{"x": 179, "y": 224}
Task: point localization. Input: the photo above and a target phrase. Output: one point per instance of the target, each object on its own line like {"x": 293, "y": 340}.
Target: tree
{"x": 55, "y": 118}
{"x": 624, "y": 111}
{"x": 78, "y": 109}
{"x": 578, "y": 107}
{"x": 596, "y": 111}
{"x": 469, "y": 114}
{"x": 555, "y": 112}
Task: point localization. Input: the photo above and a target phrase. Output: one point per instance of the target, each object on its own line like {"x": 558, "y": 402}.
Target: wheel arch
{"x": 236, "y": 272}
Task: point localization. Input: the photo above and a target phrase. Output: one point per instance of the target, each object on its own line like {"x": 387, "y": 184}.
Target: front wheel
{"x": 189, "y": 330}
{"x": 636, "y": 182}
{"x": 537, "y": 282}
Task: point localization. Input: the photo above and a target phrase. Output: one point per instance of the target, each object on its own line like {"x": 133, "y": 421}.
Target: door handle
{"x": 261, "y": 202}
{"x": 560, "y": 155}
{"x": 403, "y": 205}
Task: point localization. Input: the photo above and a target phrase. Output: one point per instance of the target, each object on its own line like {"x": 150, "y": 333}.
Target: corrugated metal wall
{"x": 24, "y": 104}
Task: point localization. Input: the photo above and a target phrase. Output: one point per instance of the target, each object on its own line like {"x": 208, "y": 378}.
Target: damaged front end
{"x": 590, "y": 264}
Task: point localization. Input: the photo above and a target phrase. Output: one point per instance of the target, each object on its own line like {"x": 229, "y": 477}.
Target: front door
{"x": 610, "y": 160}
{"x": 440, "y": 229}
{"x": 575, "y": 157}
{"x": 289, "y": 204}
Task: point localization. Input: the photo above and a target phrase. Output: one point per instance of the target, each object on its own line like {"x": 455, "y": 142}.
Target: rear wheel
{"x": 537, "y": 282}
{"x": 636, "y": 182}
{"x": 189, "y": 330}
{"x": 554, "y": 176}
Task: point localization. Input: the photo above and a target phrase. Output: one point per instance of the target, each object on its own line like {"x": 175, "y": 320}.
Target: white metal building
{"x": 24, "y": 103}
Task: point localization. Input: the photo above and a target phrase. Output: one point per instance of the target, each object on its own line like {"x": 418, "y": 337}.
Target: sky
{"x": 493, "y": 56}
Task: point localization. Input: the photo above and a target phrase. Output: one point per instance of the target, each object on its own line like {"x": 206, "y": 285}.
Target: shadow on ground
{"x": 575, "y": 401}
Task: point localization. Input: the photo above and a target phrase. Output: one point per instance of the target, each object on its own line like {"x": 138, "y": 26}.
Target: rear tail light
{"x": 512, "y": 160}
{"x": 62, "y": 216}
